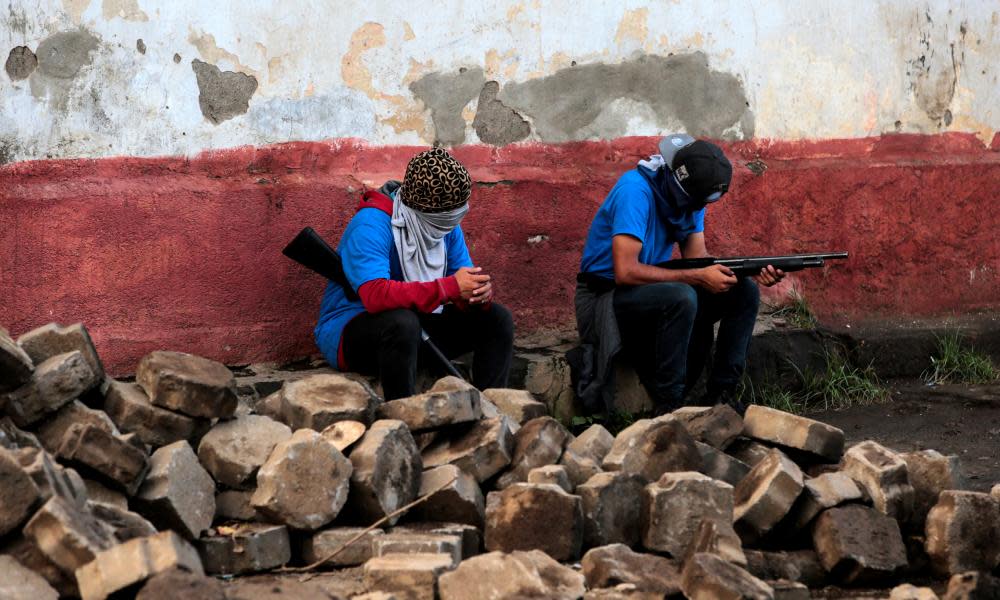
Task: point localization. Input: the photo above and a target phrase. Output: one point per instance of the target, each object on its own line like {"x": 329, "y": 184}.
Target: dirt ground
{"x": 952, "y": 419}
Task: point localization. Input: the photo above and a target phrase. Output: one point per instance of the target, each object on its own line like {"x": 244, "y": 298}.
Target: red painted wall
{"x": 184, "y": 253}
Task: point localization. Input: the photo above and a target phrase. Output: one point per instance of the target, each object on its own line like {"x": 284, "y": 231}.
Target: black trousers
{"x": 388, "y": 344}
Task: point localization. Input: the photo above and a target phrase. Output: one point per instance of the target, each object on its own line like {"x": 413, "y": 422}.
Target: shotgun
{"x": 745, "y": 266}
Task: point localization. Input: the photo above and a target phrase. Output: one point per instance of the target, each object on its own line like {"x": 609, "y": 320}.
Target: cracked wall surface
{"x": 93, "y": 78}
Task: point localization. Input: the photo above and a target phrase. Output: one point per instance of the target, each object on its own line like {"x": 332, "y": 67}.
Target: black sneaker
{"x": 727, "y": 396}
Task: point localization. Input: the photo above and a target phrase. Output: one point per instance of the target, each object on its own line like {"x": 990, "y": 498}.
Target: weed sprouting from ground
{"x": 797, "y": 312}
{"x": 838, "y": 386}
{"x": 955, "y": 362}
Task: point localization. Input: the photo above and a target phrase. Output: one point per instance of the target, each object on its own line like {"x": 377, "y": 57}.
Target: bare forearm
{"x": 639, "y": 274}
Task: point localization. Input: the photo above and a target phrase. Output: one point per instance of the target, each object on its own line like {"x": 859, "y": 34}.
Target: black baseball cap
{"x": 701, "y": 168}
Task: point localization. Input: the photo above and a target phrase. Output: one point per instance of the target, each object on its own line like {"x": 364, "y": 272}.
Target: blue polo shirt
{"x": 368, "y": 252}
{"x": 632, "y": 208}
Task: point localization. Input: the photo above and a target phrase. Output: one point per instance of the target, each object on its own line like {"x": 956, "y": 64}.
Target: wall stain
{"x": 211, "y": 52}
{"x": 680, "y": 87}
{"x": 633, "y": 26}
{"x": 140, "y": 46}
{"x": 75, "y": 8}
{"x": 61, "y": 56}
{"x": 222, "y": 95}
{"x": 495, "y": 123}
{"x": 20, "y": 63}
{"x": 446, "y": 94}
{"x": 124, "y": 9}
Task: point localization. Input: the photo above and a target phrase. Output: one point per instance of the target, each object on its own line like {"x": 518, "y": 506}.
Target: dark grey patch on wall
{"x": 140, "y": 46}
{"x": 20, "y": 63}
{"x": 63, "y": 54}
{"x": 446, "y": 94}
{"x": 495, "y": 123}
{"x": 681, "y": 88}
{"x": 177, "y": 58}
{"x": 222, "y": 95}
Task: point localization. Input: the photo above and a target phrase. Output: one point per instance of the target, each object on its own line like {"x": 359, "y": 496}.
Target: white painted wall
{"x": 328, "y": 69}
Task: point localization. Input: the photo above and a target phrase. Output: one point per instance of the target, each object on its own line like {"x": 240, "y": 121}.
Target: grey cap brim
{"x": 670, "y": 145}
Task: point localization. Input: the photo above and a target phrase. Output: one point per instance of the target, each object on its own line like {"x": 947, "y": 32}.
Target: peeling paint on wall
{"x": 211, "y": 52}
{"x": 633, "y": 26}
{"x": 680, "y": 88}
{"x": 75, "y": 8}
{"x": 446, "y": 94}
{"x": 123, "y": 9}
{"x": 495, "y": 123}
{"x": 222, "y": 95}
{"x": 20, "y": 63}
{"x": 61, "y": 56}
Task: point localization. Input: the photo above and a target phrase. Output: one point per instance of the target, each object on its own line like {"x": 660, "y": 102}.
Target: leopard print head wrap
{"x": 435, "y": 182}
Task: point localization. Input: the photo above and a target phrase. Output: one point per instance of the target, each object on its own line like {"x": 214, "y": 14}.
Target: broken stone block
{"x": 49, "y": 340}
{"x": 235, "y": 505}
{"x": 858, "y": 545}
{"x": 18, "y": 582}
{"x": 930, "y": 473}
{"x": 909, "y": 591}
{"x": 538, "y": 443}
{"x": 23, "y": 550}
{"x": 435, "y": 408}
{"x": 178, "y": 584}
{"x": 245, "y": 548}
{"x": 789, "y": 590}
{"x": 747, "y": 451}
{"x": 519, "y": 405}
{"x": 15, "y": 365}
{"x": 767, "y": 494}
{"x": 708, "y": 577}
{"x": 579, "y": 468}
{"x": 995, "y": 491}
{"x": 457, "y": 498}
{"x": 419, "y": 543}
{"x": 343, "y": 434}
{"x": 719, "y": 465}
{"x": 716, "y": 538}
{"x": 129, "y": 407}
{"x": 123, "y": 524}
{"x": 554, "y": 474}
{"x": 963, "y": 533}
{"x": 595, "y": 443}
{"x": 52, "y": 431}
{"x": 386, "y": 474}
{"x": 18, "y": 494}
{"x": 622, "y": 591}
{"x": 178, "y": 493}
{"x": 135, "y": 561}
{"x": 234, "y": 450}
{"x": 13, "y": 437}
{"x": 716, "y": 425}
{"x": 611, "y": 513}
{"x": 304, "y": 482}
{"x": 469, "y": 534}
{"x": 318, "y": 401}
{"x": 825, "y": 491}
{"x": 324, "y": 543}
{"x": 674, "y": 507}
{"x": 113, "y": 459}
{"x": 67, "y": 535}
{"x": 613, "y": 564}
{"x": 516, "y": 575}
{"x": 791, "y": 431}
{"x": 883, "y": 475}
{"x": 98, "y": 493}
{"x": 189, "y": 384}
{"x": 51, "y": 478}
{"x": 481, "y": 451}
{"x": 652, "y": 447}
{"x": 802, "y": 566}
{"x": 527, "y": 516}
{"x": 413, "y": 575}
{"x": 55, "y": 383}
{"x": 972, "y": 586}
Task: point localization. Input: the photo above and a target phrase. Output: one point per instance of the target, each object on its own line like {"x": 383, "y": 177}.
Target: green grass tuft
{"x": 617, "y": 421}
{"x": 955, "y": 362}
{"x": 797, "y": 312}
{"x": 839, "y": 386}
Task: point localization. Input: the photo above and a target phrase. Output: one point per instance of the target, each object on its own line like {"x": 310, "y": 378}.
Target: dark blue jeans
{"x": 667, "y": 333}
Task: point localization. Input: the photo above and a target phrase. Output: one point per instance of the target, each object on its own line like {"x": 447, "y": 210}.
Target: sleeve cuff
{"x": 450, "y": 286}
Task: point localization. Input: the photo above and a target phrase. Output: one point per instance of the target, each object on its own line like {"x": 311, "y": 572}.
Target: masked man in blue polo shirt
{"x": 405, "y": 257}
{"x": 663, "y": 319}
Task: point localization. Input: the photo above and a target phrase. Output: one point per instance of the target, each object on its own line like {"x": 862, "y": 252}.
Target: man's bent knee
{"x": 401, "y": 325}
